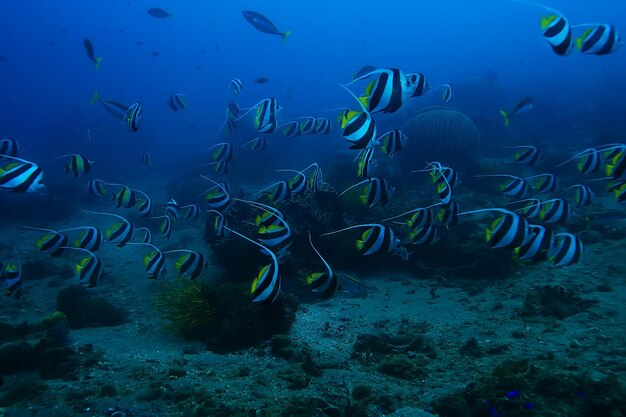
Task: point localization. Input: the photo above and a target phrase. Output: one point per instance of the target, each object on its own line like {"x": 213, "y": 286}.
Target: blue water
{"x": 490, "y": 51}
{"x": 46, "y": 77}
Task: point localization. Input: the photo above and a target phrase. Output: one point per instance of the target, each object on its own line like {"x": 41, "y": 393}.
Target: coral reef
{"x": 86, "y": 310}
{"x": 440, "y": 134}
{"x": 224, "y": 318}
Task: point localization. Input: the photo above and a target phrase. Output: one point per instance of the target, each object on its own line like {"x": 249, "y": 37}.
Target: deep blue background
{"x": 491, "y": 51}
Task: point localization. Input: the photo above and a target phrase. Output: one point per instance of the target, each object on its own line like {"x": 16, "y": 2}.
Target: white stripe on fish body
{"x": 567, "y": 250}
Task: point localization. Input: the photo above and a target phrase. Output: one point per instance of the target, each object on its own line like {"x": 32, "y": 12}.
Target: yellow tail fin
{"x": 506, "y": 117}
{"x": 98, "y": 61}
{"x": 285, "y": 35}
{"x": 95, "y": 98}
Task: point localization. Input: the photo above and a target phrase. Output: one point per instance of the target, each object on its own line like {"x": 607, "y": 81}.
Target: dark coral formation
{"x": 440, "y": 134}
{"x": 86, "y": 310}
{"x": 554, "y": 301}
{"x": 234, "y": 321}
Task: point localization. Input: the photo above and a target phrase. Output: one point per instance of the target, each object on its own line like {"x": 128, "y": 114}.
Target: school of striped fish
{"x": 531, "y": 222}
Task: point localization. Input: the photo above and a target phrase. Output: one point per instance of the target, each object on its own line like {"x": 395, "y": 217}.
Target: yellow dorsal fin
{"x": 311, "y": 278}
{"x": 546, "y": 20}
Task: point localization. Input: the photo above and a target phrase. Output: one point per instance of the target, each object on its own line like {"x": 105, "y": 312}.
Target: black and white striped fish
{"x": 223, "y": 151}
{"x": 19, "y": 175}
{"x": 11, "y": 273}
{"x": 218, "y": 197}
{"x": 90, "y": 238}
{"x": 377, "y": 192}
{"x": 322, "y": 126}
{"x": 566, "y": 250}
{"x": 9, "y": 147}
{"x": 119, "y": 233}
{"x": 392, "y": 142}
{"x": 133, "y": 117}
{"x": 53, "y": 243}
{"x": 358, "y": 127}
{"x": 165, "y": 227}
{"x": 236, "y": 86}
{"x": 377, "y": 238}
{"x": 154, "y": 262}
{"x": 583, "y": 195}
{"x": 554, "y": 211}
{"x": 601, "y": 39}
{"x": 190, "y": 264}
{"x": 232, "y": 110}
{"x": 544, "y": 183}
{"x": 307, "y": 126}
{"x": 172, "y": 209}
{"x": 191, "y": 212}
{"x": 509, "y": 230}
{"x": 327, "y": 282}
{"x": 90, "y": 269}
{"x": 424, "y": 236}
{"x": 526, "y": 154}
{"x": 257, "y": 144}
{"x": 265, "y": 119}
{"x": 291, "y": 129}
{"x": 177, "y": 102}
{"x": 540, "y": 240}
{"x": 144, "y": 204}
{"x": 96, "y": 187}
{"x": 78, "y": 165}
{"x": 366, "y": 161}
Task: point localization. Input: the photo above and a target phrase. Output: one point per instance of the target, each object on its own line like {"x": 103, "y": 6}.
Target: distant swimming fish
{"x": 291, "y": 129}
{"x": 218, "y": 197}
{"x": 96, "y": 187}
{"x": 566, "y": 251}
{"x": 117, "y": 110}
{"x": 509, "y": 230}
{"x": 222, "y": 151}
{"x": 78, "y": 165}
{"x": 365, "y": 162}
{"x": 392, "y": 142}
{"x": 377, "y": 238}
{"x": 582, "y": 195}
{"x": 89, "y": 50}
{"x": 53, "y": 243}
{"x": 377, "y": 192}
{"x": 545, "y": 183}
{"x": 257, "y": 144}
{"x": 172, "y": 209}
{"x": 526, "y": 104}
{"x": 327, "y": 282}
{"x": 158, "y": 13}
{"x": 154, "y": 262}
{"x": 90, "y": 238}
{"x": 515, "y": 187}
{"x": 263, "y": 24}
{"x": 144, "y": 204}
{"x": 177, "y": 102}
{"x": 556, "y": 210}
{"x": 120, "y": 233}
{"x": 9, "y": 147}
{"x": 89, "y": 269}
{"x": 190, "y": 264}
{"x": 526, "y": 154}
{"x": 556, "y": 29}
{"x": 535, "y": 248}
{"x": 133, "y": 116}
{"x": 236, "y": 86}
{"x": 322, "y": 126}
{"x": 190, "y": 212}
{"x": 147, "y": 159}
{"x": 12, "y": 276}
{"x": 166, "y": 226}
{"x": 261, "y": 80}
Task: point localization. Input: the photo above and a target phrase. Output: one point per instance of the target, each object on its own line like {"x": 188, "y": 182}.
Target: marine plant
{"x": 183, "y": 304}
